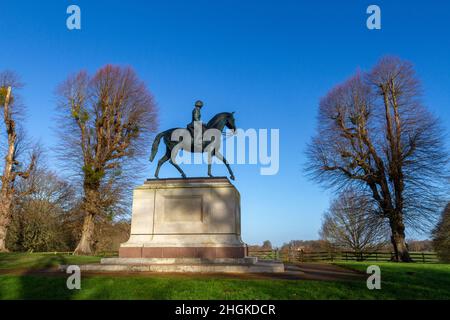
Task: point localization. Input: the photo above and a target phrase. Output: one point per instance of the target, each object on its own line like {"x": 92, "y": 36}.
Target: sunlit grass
{"x": 398, "y": 281}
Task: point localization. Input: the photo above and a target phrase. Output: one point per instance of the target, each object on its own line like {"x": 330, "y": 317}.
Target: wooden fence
{"x": 301, "y": 256}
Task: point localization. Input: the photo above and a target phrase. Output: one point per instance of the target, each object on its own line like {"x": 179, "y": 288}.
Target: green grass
{"x": 175, "y": 287}
{"x": 410, "y": 281}
{"x": 32, "y": 261}
{"x": 399, "y": 281}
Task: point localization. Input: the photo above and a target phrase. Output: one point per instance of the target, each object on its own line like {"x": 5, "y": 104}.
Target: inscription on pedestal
{"x": 183, "y": 209}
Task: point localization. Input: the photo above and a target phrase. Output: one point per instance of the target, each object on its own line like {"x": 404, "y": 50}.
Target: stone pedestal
{"x": 185, "y": 218}
{"x": 185, "y": 225}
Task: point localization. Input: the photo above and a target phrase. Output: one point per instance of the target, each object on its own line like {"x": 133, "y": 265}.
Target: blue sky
{"x": 270, "y": 61}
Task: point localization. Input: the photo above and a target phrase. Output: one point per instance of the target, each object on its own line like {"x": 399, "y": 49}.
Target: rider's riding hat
{"x": 199, "y": 103}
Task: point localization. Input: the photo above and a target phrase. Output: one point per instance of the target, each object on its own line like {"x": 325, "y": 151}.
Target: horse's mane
{"x": 218, "y": 117}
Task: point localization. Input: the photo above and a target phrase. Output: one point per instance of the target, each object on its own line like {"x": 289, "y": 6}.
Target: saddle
{"x": 190, "y": 128}
{"x": 197, "y": 141}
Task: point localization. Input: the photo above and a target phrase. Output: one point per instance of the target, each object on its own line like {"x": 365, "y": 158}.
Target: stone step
{"x": 258, "y": 267}
{"x": 144, "y": 261}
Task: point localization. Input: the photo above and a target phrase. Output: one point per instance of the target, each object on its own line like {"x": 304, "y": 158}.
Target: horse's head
{"x": 222, "y": 120}
{"x": 230, "y": 121}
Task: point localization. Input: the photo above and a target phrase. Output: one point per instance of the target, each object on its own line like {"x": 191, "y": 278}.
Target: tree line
{"x": 105, "y": 123}
{"x": 384, "y": 154}
{"x": 325, "y": 245}
{"x": 377, "y": 146}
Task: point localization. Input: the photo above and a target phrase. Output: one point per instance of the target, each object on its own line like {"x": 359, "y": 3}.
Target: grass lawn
{"x": 410, "y": 281}
{"x": 398, "y": 281}
{"x": 32, "y": 261}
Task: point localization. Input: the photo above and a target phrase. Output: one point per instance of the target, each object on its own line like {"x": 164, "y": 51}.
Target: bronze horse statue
{"x": 218, "y": 122}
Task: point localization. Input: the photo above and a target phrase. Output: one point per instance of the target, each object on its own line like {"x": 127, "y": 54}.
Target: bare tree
{"x": 267, "y": 245}
{"x": 106, "y": 124}
{"x": 350, "y": 223}
{"x": 13, "y": 166}
{"x": 39, "y": 212}
{"x": 111, "y": 234}
{"x": 441, "y": 235}
{"x": 375, "y": 135}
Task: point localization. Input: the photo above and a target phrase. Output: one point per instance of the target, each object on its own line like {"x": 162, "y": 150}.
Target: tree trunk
{"x": 3, "y": 233}
{"x": 5, "y": 205}
{"x": 401, "y": 252}
{"x": 84, "y": 247}
{"x": 91, "y": 206}
{"x": 7, "y": 177}
{"x": 10, "y": 172}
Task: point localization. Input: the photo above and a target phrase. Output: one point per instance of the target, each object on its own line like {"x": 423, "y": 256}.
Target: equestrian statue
{"x": 196, "y": 142}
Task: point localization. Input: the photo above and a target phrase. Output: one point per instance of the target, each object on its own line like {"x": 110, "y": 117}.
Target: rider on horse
{"x": 218, "y": 123}
{"x": 196, "y": 117}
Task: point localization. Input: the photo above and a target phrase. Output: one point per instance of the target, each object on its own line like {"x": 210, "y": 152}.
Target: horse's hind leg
{"x": 209, "y": 164}
{"x": 160, "y": 163}
{"x": 175, "y": 164}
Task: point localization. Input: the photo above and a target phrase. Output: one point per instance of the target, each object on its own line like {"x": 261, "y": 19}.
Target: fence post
{"x": 423, "y": 257}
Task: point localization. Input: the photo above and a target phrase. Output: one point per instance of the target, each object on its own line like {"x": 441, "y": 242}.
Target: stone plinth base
{"x": 226, "y": 265}
{"x": 185, "y": 218}
{"x": 182, "y": 252}
{"x": 185, "y": 225}
{"x": 148, "y": 261}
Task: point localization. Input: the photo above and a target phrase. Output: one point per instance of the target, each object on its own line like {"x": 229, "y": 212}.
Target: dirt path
{"x": 323, "y": 271}
{"x": 303, "y": 271}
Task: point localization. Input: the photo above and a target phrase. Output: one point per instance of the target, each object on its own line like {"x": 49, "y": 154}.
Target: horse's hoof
{"x": 183, "y": 176}
{"x": 232, "y": 177}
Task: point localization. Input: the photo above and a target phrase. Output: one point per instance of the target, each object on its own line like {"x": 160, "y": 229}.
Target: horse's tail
{"x": 155, "y": 145}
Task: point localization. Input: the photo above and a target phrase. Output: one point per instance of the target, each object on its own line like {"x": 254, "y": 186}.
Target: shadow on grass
{"x": 22, "y": 277}
{"x": 28, "y": 261}
{"x": 36, "y": 275}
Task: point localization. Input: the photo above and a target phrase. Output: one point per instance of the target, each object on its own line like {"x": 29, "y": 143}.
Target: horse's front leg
{"x": 222, "y": 158}
{"x": 209, "y": 164}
